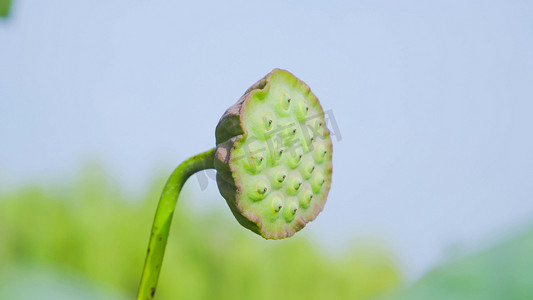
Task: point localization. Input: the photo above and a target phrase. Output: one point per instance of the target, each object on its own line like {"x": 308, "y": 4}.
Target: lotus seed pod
{"x": 273, "y": 156}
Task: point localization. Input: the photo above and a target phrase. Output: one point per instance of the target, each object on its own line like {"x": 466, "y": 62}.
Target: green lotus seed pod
{"x": 273, "y": 156}
{"x": 273, "y": 162}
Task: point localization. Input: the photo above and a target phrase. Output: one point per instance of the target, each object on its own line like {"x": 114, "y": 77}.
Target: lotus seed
{"x": 296, "y": 158}
{"x": 305, "y": 197}
{"x": 255, "y": 163}
{"x": 260, "y": 191}
{"x": 276, "y": 157}
{"x": 289, "y": 212}
{"x": 277, "y": 204}
{"x": 301, "y": 109}
{"x": 297, "y": 185}
{"x": 281, "y": 177}
{"x": 267, "y": 122}
{"x": 320, "y": 153}
{"x": 294, "y": 186}
{"x": 308, "y": 168}
{"x": 317, "y": 181}
{"x": 285, "y": 103}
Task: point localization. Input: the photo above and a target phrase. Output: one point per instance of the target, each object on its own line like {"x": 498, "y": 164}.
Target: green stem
{"x": 163, "y": 218}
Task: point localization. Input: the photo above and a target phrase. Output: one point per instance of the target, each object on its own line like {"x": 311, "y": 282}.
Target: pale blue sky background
{"x": 434, "y": 100}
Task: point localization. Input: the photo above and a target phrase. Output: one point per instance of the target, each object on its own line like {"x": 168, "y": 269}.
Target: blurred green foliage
{"x": 91, "y": 229}
{"x": 5, "y": 5}
{"x": 502, "y": 272}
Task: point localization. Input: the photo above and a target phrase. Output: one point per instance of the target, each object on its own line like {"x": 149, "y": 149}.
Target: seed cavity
{"x": 319, "y": 153}
{"x": 268, "y": 122}
{"x": 296, "y": 157}
{"x": 305, "y": 197}
{"x": 318, "y": 181}
{"x": 290, "y": 211}
{"x": 289, "y": 135}
{"x": 294, "y": 186}
{"x": 285, "y": 102}
{"x": 277, "y": 154}
{"x": 277, "y": 203}
{"x": 256, "y": 162}
{"x": 279, "y": 179}
{"x": 293, "y": 209}
{"x": 281, "y": 176}
{"x": 309, "y": 142}
{"x": 259, "y": 191}
{"x": 301, "y": 109}
{"x": 308, "y": 167}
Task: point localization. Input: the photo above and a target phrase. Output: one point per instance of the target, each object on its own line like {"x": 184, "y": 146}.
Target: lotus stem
{"x": 163, "y": 219}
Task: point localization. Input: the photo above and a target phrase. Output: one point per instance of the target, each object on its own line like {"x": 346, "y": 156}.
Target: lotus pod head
{"x": 273, "y": 156}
